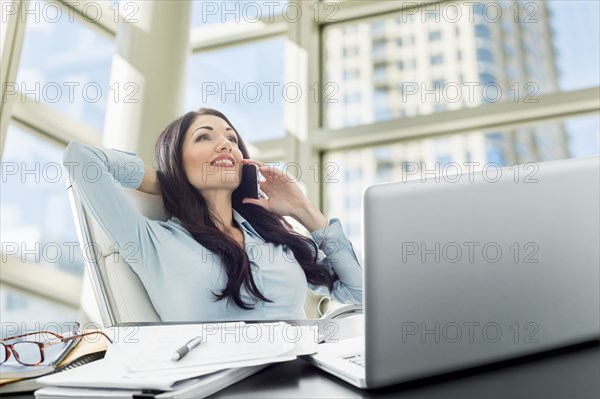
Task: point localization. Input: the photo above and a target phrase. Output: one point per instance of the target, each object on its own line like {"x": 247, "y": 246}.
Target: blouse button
{"x": 254, "y": 268}
{"x": 259, "y": 303}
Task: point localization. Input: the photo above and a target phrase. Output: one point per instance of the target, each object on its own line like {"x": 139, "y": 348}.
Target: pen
{"x": 181, "y": 352}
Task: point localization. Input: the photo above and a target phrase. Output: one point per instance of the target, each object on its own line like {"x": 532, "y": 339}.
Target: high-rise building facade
{"x": 437, "y": 58}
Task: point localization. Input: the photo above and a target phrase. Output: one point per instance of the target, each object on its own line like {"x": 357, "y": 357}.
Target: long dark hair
{"x": 184, "y": 201}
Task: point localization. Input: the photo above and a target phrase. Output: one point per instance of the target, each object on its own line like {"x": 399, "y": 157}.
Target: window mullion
{"x": 343, "y": 11}
{"x": 9, "y": 64}
{"x": 50, "y": 283}
{"x": 202, "y": 40}
{"x": 268, "y": 150}
{"x": 53, "y": 123}
{"x": 301, "y": 117}
{"x": 548, "y": 107}
{"x": 97, "y": 15}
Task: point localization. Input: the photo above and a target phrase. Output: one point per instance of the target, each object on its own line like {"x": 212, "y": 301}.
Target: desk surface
{"x": 568, "y": 375}
{"x": 573, "y": 374}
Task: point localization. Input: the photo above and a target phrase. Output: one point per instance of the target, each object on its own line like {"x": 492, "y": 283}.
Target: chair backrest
{"x": 119, "y": 293}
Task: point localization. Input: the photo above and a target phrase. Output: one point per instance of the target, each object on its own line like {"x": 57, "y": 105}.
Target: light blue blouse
{"x": 179, "y": 274}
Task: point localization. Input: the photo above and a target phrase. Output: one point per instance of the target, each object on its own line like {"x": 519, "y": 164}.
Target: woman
{"x": 218, "y": 257}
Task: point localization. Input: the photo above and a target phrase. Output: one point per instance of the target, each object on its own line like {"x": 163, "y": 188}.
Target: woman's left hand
{"x": 284, "y": 196}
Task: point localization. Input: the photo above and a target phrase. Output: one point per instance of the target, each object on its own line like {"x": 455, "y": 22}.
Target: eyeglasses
{"x": 31, "y": 353}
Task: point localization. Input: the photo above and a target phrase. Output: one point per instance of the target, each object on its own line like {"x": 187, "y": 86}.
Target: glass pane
{"x": 65, "y": 64}
{"x": 252, "y": 96}
{"x": 451, "y": 55}
{"x": 358, "y": 169}
{"x": 576, "y": 33}
{"x": 37, "y": 225}
{"x": 23, "y": 313}
{"x": 207, "y": 12}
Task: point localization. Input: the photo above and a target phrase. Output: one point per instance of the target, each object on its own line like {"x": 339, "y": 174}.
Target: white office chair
{"x": 120, "y": 296}
{"x": 119, "y": 293}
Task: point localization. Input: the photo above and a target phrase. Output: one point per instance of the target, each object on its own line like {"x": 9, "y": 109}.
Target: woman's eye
{"x": 202, "y": 136}
{"x": 234, "y": 139}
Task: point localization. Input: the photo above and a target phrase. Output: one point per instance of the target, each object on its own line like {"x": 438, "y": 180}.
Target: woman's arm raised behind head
{"x": 149, "y": 184}
{"x": 99, "y": 175}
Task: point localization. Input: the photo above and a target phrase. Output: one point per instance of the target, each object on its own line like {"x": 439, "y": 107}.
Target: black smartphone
{"x": 249, "y": 186}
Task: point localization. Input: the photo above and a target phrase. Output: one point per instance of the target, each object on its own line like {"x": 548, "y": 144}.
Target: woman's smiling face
{"x": 211, "y": 156}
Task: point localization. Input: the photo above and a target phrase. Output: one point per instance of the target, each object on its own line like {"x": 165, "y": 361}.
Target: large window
{"x": 37, "y": 224}
{"x": 545, "y": 47}
{"x": 65, "y": 64}
{"x": 37, "y": 229}
{"x": 57, "y": 67}
{"x": 252, "y": 97}
{"x": 22, "y": 312}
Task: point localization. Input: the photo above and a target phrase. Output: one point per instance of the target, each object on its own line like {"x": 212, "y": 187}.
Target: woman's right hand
{"x": 149, "y": 183}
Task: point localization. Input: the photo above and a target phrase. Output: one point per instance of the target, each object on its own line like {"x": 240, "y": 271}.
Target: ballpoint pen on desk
{"x": 181, "y": 352}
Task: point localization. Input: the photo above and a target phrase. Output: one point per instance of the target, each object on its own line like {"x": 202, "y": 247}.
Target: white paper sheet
{"x": 143, "y": 360}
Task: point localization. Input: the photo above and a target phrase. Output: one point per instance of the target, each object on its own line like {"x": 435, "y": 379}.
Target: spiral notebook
{"x": 30, "y": 384}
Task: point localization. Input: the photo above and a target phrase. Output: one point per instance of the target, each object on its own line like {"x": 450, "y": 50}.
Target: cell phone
{"x": 249, "y": 186}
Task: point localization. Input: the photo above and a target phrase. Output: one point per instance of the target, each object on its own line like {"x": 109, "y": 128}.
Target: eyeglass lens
{"x": 3, "y": 354}
{"x": 29, "y": 353}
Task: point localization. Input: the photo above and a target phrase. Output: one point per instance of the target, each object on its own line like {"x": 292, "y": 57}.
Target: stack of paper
{"x": 141, "y": 359}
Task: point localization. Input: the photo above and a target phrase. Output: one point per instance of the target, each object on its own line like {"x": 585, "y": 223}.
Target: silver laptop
{"x": 472, "y": 269}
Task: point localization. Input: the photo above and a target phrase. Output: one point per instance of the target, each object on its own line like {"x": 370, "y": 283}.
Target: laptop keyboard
{"x": 356, "y": 358}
